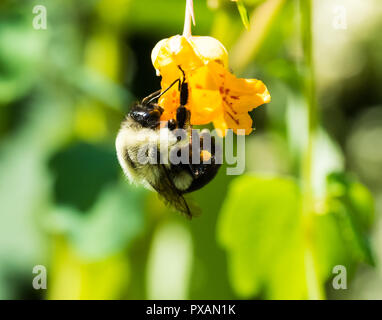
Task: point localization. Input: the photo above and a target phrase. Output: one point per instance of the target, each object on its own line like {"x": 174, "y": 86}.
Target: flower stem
{"x": 314, "y": 287}
{"x": 188, "y": 17}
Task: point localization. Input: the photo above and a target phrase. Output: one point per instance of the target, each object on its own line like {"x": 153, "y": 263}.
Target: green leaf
{"x": 355, "y": 196}
{"x": 350, "y": 208}
{"x": 243, "y": 13}
{"x": 340, "y": 234}
{"x": 260, "y": 226}
{"x": 267, "y": 240}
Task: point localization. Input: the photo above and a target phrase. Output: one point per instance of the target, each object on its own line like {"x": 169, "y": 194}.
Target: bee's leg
{"x": 183, "y": 93}
{"x": 183, "y": 117}
{"x": 182, "y": 120}
{"x": 172, "y": 124}
{"x": 183, "y": 89}
{"x": 182, "y": 114}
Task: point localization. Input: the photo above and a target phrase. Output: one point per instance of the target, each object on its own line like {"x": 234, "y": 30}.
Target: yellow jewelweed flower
{"x": 215, "y": 94}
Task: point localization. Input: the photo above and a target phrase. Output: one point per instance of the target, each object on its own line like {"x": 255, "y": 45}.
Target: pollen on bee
{"x": 205, "y": 155}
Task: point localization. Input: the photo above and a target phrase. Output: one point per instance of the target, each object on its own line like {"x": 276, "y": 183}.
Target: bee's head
{"x": 147, "y": 115}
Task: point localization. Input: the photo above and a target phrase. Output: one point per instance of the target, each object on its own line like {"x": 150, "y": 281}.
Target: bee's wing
{"x": 170, "y": 194}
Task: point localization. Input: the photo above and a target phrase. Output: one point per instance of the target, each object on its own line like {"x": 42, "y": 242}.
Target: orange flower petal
{"x": 170, "y": 101}
{"x": 204, "y": 98}
{"x": 204, "y": 105}
{"x": 220, "y": 125}
{"x": 202, "y": 78}
{"x": 228, "y": 121}
{"x": 242, "y": 95}
{"x": 241, "y": 121}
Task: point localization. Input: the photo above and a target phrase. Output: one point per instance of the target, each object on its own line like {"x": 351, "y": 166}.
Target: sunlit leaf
{"x": 260, "y": 228}
{"x": 72, "y": 277}
{"x": 266, "y": 239}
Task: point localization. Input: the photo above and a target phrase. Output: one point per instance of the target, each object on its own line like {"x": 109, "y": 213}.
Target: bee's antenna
{"x": 158, "y": 95}
{"x": 150, "y": 96}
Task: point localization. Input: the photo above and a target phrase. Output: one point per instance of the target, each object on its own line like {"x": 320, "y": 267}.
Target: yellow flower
{"x": 215, "y": 95}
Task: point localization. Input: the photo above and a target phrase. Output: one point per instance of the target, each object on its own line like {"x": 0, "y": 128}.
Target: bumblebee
{"x": 143, "y": 142}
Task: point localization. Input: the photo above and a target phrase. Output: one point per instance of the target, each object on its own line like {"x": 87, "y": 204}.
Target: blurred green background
{"x": 311, "y": 196}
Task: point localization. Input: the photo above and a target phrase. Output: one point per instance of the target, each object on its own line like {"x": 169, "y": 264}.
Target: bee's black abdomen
{"x": 203, "y": 174}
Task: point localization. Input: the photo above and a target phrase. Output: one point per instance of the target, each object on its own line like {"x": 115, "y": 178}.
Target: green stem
{"x": 309, "y": 84}
{"x": 315, "y": 290}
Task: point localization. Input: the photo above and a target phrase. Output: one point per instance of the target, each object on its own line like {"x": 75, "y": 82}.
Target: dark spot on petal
{"x": 236, "y": 121}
